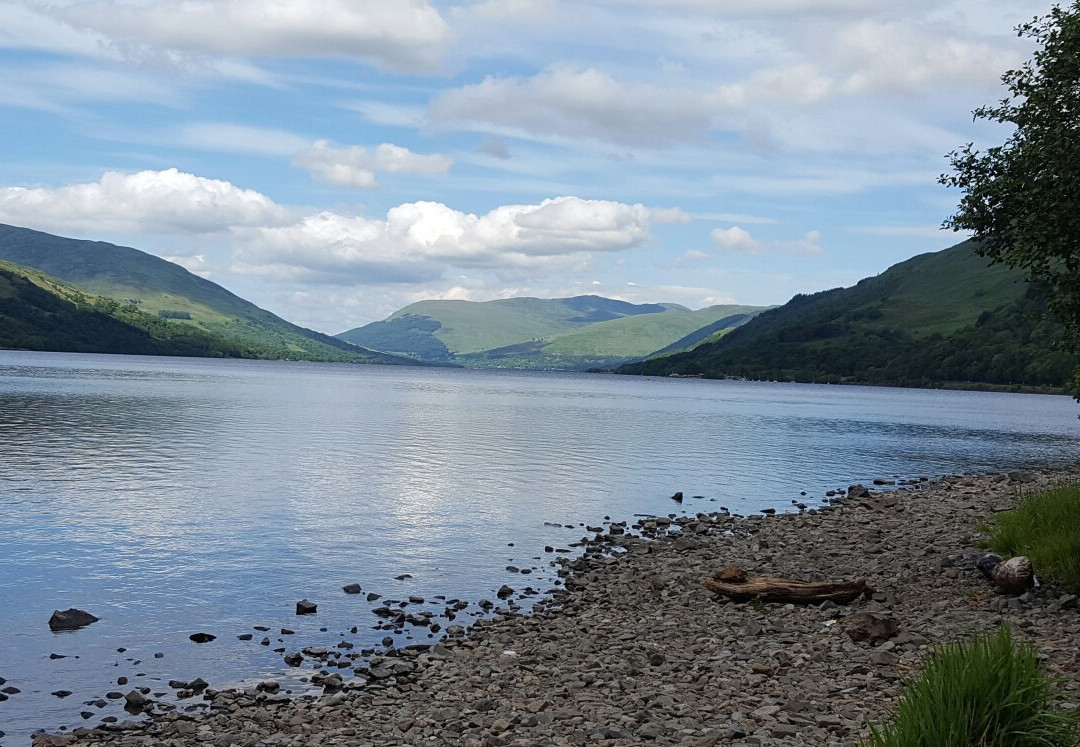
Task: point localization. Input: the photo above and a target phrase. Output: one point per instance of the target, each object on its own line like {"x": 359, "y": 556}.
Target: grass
{"x": 1046, "y": 528}
{"x": 984, "y": 692}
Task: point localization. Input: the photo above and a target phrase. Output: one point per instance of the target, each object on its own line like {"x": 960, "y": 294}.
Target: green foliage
{"x": 1045, "y": 528}
{"x": 985, "y": 692}
{"x": 1021, "y": 200}
{"x": 936, "y": 318}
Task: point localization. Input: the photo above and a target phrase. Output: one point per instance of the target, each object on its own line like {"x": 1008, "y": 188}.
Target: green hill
{"x": 165, "y": 290}
{"x": 38, "y": 312}
{"x": 938, "y": 318}
{"x": 532, "y": 333}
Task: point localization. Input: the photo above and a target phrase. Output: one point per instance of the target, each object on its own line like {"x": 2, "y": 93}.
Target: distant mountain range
{"x": 938, "y": 318}
{"x": 568, "y": 334}
{"x": 90, "y": 296}
{"x": 943, "y": 318}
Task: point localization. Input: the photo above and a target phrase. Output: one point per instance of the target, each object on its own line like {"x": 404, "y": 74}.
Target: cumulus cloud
{"x": 356, "y": 166}
{"x": 403, "y": 36}
{"x": 736, "y": 240}
{"x": 418, "y": 241}
{"x": 152, "y": 202}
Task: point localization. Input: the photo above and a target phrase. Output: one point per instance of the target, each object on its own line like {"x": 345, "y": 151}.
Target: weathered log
{"x": 740, "y": 586}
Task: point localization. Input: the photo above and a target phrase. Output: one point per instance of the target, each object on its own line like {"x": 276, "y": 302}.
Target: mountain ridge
{"x": 938, "y": 318}
{"x": 573, "y": 333}
{"x": 160, "y": 287}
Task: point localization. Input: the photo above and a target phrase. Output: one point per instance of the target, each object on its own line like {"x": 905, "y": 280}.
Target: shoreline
{"x": 633, "y": 649}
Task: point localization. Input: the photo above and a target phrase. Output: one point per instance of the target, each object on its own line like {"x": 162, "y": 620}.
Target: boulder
{"x": 677, "y": 497}
{"x": 202, "y": 637}
{"x": 304, "y": 607}
{"x": 1015, "y": 575}
{"x": 858, "y": 491}
{"x": 351, "y": 588}
{"x": 71, "y": 619}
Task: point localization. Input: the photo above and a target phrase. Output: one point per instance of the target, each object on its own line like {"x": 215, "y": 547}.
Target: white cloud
{"x": 419, "y": 241}
{"x": 736, "y": 240}
{"x": 909, "y": 57}
{"x": 152, "y": 202}
{"x": 566, "y": 102}
{"x": 355, "y": 166}
{"x": 404, "y": 35}
{"x": 238, "y": 138}
{"x": 692, "y": 258}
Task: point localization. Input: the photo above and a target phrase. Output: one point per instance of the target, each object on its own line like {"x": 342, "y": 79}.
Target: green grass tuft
{"x": 1046, "y": 528}
{"x": 984, "y": 692}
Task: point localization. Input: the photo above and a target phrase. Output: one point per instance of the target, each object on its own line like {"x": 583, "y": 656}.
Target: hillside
{"x": 38, "y": 312}
{"x": 531, "y": 333}
{"x": 937, "y": 318}
{"x": 163, "y": 289}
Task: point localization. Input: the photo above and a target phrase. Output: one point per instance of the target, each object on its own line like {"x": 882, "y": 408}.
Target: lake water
{"x": 170, "y": 496}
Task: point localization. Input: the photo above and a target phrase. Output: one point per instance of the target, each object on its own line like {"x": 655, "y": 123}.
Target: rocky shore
{"x": 632, "y": 649}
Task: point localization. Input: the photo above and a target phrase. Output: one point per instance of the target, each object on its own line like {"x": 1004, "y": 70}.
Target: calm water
{"x": 169, "y": 496}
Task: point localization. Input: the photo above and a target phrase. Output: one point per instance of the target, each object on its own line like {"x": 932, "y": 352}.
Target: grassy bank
{"x": 1046, "y": 528}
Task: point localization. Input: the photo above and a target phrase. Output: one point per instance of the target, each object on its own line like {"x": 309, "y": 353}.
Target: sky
{"x": 336, "y": 160}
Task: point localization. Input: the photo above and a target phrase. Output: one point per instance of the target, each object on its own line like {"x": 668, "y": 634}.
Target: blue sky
{"x": 334, "y": 160}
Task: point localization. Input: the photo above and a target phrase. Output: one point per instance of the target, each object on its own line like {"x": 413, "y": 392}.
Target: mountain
{"x": 38, "y": 312}
{"x": 939, "y": 318}
{"x": 532, "y": 333}
{"x": 168, "y": 292}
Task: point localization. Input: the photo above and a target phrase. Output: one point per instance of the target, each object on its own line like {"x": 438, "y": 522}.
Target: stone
{"x": 858, "y": 491}
{"x": 202, "y": 637}
{"x": 352, "y": 588}
{"x": 71, "y": 619}
{"x": 135, "y": 700}
{"x": 1067, "y": 601}
{"x": 1015, "y": 575}
{"x": 987, "y": 563}
{"x": 678, "y": 498}
{"x": 866, "y": 626}
{"x": 304, "y": 607}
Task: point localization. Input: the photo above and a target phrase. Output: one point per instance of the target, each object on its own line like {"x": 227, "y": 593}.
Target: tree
{"x": 1021, "y": 200}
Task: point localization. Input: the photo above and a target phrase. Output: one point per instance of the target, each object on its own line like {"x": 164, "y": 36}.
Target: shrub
{"x": 984, "y": 692}
{"x": 1046, "y": 528}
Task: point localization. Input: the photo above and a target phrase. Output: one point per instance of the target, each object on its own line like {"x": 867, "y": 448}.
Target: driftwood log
{"x": 740, "y": 586}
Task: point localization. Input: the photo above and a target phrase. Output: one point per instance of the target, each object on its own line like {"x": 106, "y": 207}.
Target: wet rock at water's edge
{"x": 71, "y": 619}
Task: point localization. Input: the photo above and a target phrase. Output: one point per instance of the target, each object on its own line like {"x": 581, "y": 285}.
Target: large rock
{"x": 304, "y": 607}
{"x": 987, "y": 563}
{"x": 864, "y": 626}
{"x": 858, "y": 491}
{"x": 1015, "y": 575}
{"x": 71, "y": 619}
